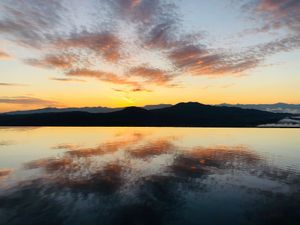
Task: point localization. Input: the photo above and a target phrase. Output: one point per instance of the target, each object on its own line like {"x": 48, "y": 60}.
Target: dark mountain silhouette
{"x": 98, "y": 109}
{"x": 183, "y": 114}
{"x": 275, "y": 108}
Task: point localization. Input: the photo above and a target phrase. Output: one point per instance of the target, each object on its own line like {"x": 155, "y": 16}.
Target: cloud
{"x": 40, "y": 26}
{"x": 281, "y": 45}
{"x": 103, "y": 76}
{"x": 66, "y": 79}
{"x": 4, "y": 55}
{"x": 144, "y": 12}
{"x": 161, "y": 36}
{"x": 135, "y": 43}
{"x": 151, "y": 75}
{"x": 198, "y": 60}
{"x": 25, "y": 100}
{"x": 6, "y": 143}
{"x": 5, "y": 172}
{"x": 32, "y": 22}
{"x": 276, "y": 14}
{"x": 53, "y": 62}
{"x": 282, "y": 12}
{"x": 137, "y": 89}
{"x": 10, "y": 84}
{"x": 105, "y": 43}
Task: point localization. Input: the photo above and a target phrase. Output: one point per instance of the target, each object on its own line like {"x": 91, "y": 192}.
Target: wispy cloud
{"x": 275, "y": 15}
{"x": 104, "y": 45}
{"x": 32, "y": 22}
{"x": 151, "y": 75}
{"x": 66, "y": 79}
{"x": 102, "y": 75}
{"x": 281, "y": 13}
{"x": 6, "y": 143}
{"x": 127, "y": 91}
{"x": 4, "y": 55}
{"x": 25, "y": 100}
{"x": 11, "y": 84}
{"x": 5, "y": 172}
{"x": 53, "y": 62}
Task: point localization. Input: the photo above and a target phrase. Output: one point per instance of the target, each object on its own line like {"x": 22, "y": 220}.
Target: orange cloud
{"x": 103, "y": 76}
{"x": 53, "y": 61}
{"x": 277, "y": 14}
{"x": 153, "y": 25}
{"x": 197, "y": 60}
{"x": 152, "y": 75}
{"x": 4, "y": 55}
{"x": 5, "y": 172}
{"x": 104, "y": 43}
{"x": 135, "y": 3}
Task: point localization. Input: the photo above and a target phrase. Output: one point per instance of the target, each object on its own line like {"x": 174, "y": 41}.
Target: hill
{"x": 191, "y": 114}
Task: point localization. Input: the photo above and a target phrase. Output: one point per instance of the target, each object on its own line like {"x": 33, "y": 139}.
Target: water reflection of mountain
{"x": 142, "y": 180}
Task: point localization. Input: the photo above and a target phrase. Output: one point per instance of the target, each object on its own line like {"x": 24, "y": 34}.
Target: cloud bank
{"x": 135, "y": 43}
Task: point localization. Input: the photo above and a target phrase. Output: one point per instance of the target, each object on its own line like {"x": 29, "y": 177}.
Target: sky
{"x": 117, "y": 53}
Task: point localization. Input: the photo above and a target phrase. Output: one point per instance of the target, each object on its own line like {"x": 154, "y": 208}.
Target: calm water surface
{"x": 137, "y": 176}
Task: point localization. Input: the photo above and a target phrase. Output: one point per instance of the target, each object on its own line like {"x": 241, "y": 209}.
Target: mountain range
{"x": 98, "y": 109}
{"x": 191, "y": 114}
{"x": 275, "y": 108}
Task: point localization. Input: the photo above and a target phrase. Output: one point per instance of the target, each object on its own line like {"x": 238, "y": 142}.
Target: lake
{"x": 137, "y": 176}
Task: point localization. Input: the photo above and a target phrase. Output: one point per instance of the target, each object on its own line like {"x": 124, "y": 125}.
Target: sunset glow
{"x": 118, "y": 53}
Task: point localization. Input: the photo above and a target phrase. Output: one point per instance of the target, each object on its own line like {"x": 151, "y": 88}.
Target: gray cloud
{"x": 25, "y": 100}
{"x": 66, "y": 79}
{"x": 105, "y": 43}
{"x": 11, "y": 84}
{"x": 132, "y": 26}
{"x": 276, "y": 14}
{"x": 31, "y": 22}
{"x": 281, "y": 45}
{"x": 143, "y": 12}
{"x": 59, "y": 61}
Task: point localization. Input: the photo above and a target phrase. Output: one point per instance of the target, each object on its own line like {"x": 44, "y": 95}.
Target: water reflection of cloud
{"x": 102, "y": 149}
{"x": 79, "y": 180}
{"x": 18, "y": 128}
{"x": 6, "y": 143}
{"x": 151, "y": 149}
{"x": 108, "y": 180}
{"x": 5, "y": 173}
{"x": 50, "y": 164}
{"x": 202, "y": 161}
